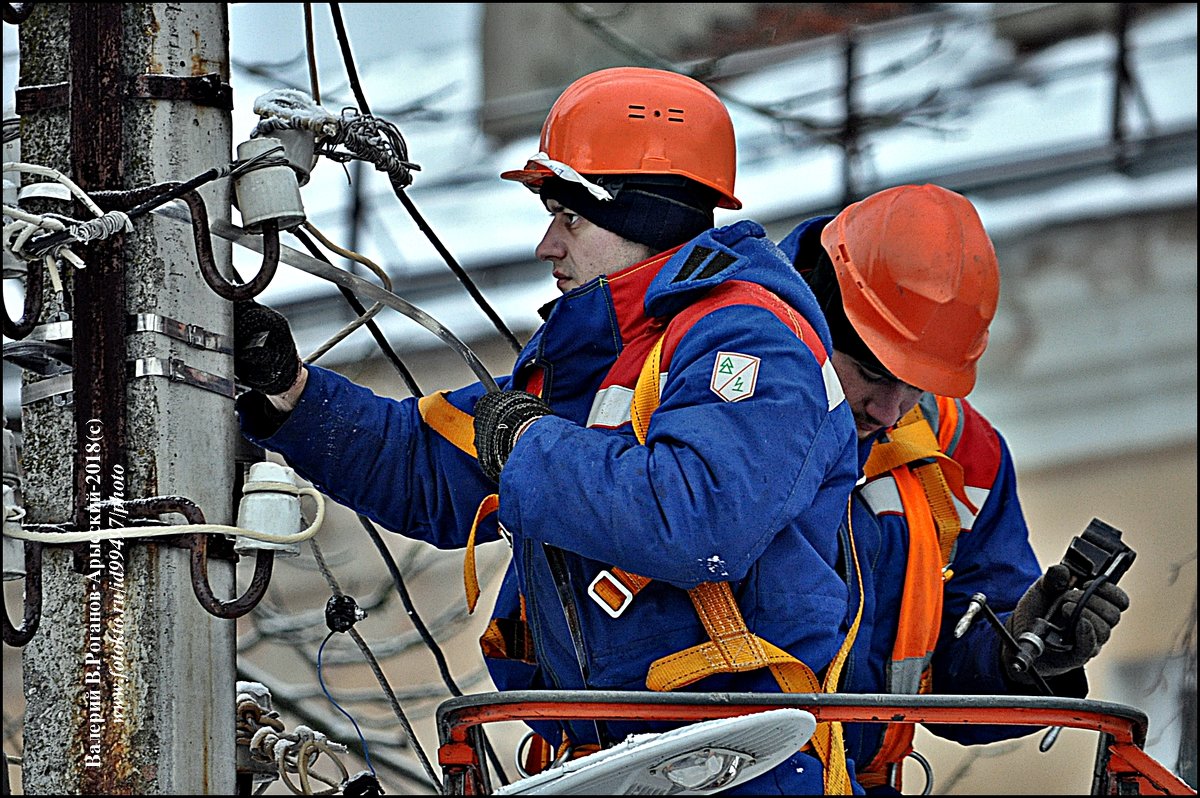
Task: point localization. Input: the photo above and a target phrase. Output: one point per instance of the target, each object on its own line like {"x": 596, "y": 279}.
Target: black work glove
{"x": 265, "y": 356}
{"x": 500, "y": 416}
{"x": 1101, "y": 613}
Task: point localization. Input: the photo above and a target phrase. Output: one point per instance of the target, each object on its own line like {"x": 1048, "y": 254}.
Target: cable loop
{"x": 378, "y": 141}
{"x": 271, "y": 157}
{"x": 263, "y": 733}
{"x": 34, "y": 278}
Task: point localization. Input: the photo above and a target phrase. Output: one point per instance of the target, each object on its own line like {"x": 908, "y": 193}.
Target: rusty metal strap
{"x": 176, "y": 370}
{"x": 43, "y": 98}
{"x": 208, "y": 90}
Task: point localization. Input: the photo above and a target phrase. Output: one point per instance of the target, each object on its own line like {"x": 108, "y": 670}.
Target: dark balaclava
{"x": 816, "y": 267}
{"x": 659, "y": 211}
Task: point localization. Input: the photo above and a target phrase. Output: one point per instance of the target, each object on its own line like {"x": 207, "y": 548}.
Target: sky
{"x": 485, "y": 219}
{"x": 414, "y": 52}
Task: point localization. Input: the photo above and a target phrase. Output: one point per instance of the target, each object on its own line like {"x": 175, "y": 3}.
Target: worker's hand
{"x": 500, "y": 418}
{"x": 265, "y": 356}
{"x": 1100, "y": 614}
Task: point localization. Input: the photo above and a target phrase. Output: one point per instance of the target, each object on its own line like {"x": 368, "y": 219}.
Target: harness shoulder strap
{"x": 927, "y": 480}
{"x": 458, "y": 428}
{"x": 913, "y": 447}
{"x": 732, "y": 647}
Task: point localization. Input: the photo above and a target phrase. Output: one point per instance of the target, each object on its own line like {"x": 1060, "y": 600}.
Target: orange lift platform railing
{"x": 1122, "y": 767}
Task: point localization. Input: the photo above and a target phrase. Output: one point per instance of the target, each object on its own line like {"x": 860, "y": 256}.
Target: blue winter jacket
{"x": 993, "y": 557}
{"x": 748, "y": 491}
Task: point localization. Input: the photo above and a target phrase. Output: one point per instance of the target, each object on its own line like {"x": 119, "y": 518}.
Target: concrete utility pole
{"x": 129, "y": 682}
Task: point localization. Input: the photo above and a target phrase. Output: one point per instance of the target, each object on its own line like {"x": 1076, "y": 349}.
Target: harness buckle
{"x": 610, "y": 581}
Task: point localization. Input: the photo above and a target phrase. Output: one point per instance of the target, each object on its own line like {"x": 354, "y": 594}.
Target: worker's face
{"x": 581, "y": 251}
{"x": 877, "y": 399}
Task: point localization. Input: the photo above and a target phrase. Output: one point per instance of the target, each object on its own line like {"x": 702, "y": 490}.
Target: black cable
{"x": 409, "y": 607}
{"x": 348, "y": 57}
{"x": 459, "y": 272}
{"x": 376, "y": 333}
{"x": 1073, "y": 621}
{"x": 397, "y": 578}
{"x": 423, "y": 631}
{"x": 356, "y": 87}
{"x": 311, "y": 50}
{"x": 41, "y": 245}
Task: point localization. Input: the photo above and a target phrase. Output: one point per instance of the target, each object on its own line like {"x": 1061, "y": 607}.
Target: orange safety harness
{"x": 732, "y": 647}
{"x": 928, "y": 480}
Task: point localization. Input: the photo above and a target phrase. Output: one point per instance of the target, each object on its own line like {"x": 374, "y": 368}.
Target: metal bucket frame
{"x": 1122, "y": 766}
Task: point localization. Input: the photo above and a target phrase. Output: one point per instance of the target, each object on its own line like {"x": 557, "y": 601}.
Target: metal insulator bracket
{"x": 19, "y": 636}
{"x": 208, "y": 90}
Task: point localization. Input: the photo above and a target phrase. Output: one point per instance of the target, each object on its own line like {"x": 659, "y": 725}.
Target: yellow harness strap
{"x": 489, "y": 505}
{"x": 912, "y": 440}
{"x": 646, "y": 392}
{"x": 925, "y": 478}
{"x": 448, "y": 421}
{"x": 732, "y": 647}
{"x": 458, "y": 428}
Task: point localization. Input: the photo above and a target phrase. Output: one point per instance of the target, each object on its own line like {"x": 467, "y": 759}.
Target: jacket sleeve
{"x": 716, "y": 480}
{"x": 376, "y": 456}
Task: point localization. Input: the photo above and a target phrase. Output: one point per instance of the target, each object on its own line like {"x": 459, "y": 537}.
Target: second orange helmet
{"x": 919, "y": 282}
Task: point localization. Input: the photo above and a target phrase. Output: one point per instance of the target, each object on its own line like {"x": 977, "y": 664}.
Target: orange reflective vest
{"x": 928, "y": 481}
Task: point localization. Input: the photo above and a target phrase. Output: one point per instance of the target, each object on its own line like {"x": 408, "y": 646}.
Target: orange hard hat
{"x": 631, "y": 121}
{"x": 919, "y": 282}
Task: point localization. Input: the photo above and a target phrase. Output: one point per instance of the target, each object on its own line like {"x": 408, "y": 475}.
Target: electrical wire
{"x": 389, "y": 353}
{"x": 366, "y": 315}
{"x": 126, "y": 533}
{"x": 311, "y": 50}
{"x": 398, "y": 188}
{"x": 321, "y": 680}
{"x": 379, "y": 675}
{"x": 430, "y": 642}
{"x": 44, "y": 244}
{"x": 324, "y": 270}
{"x": 406, "y": 201}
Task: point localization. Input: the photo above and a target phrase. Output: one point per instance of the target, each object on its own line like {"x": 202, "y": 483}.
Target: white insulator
{"x": 14, "y": 550}
{"x": 298, "y": 147}
{"x": 267, "y": 193}
{"x": 274, "y": 510}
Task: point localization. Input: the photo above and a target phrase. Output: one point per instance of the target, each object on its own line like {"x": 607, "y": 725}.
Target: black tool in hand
{"x": 1095, "y": 558}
